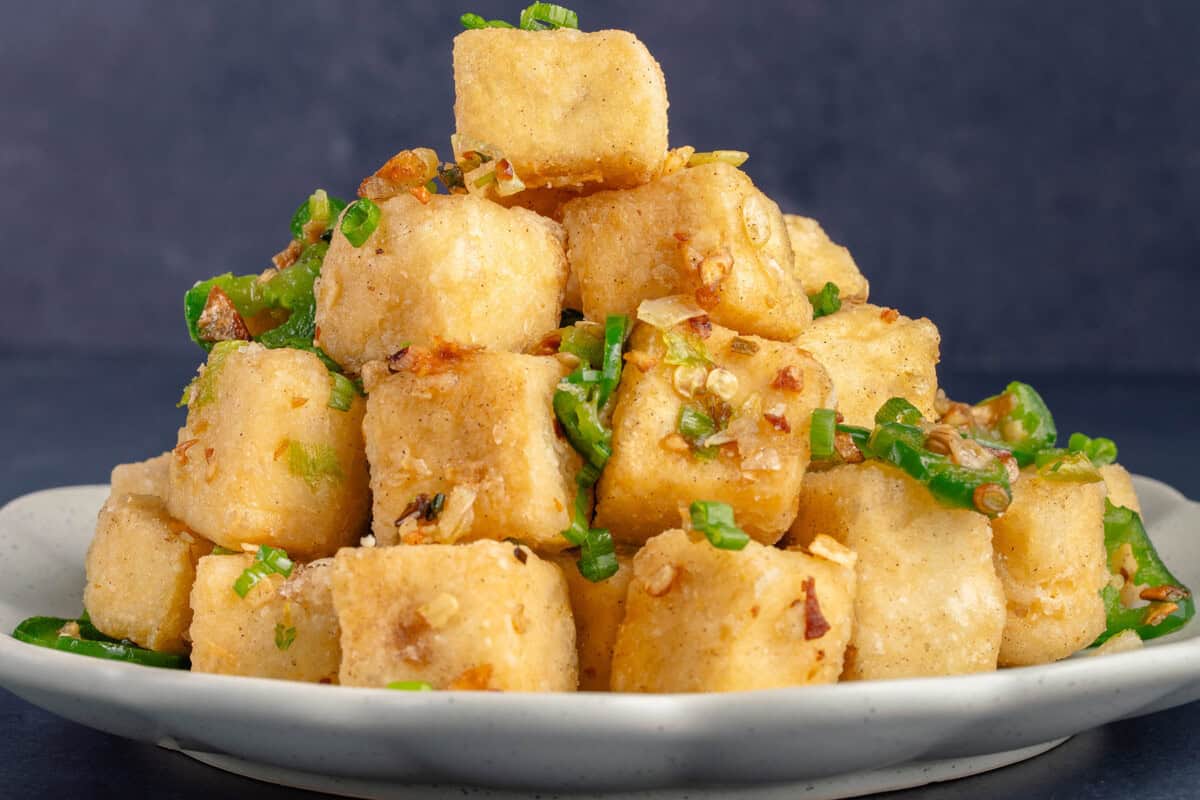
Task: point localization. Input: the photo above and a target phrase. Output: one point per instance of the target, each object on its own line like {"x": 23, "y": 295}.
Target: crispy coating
{"x": 1050, "y": 555}
{"x": 140, "y": 568}
{"x": 565, "y": 108}
{"x": 699, "y": 619}
{"x": 478, "y": 428}
{"x": 703, "y": 231}
{"x": 818, "y": 260}
{"x": 650, "y": 479}
{"x": 474, "y": 616}
{"x": 1120, "y": 487}
{"x": 598, "y": 609}
{"x": 263, "y": 459}
{"x": 283, "y": 628}
{"x": 152, "y": 477}
{"x": 872, "y": 355}
{"x": 929, "y": 602}
{"x": 460, "y": 268}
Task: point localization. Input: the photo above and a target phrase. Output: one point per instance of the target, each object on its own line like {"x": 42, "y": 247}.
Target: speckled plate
{"x": 848, "y": 738}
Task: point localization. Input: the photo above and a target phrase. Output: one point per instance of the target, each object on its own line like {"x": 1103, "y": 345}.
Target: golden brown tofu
{"x": 706, "y": 232}
{"x": 598, "y": 609}
{"x": 478, "y": 428}
{"x": 263, "y": 459}
{"x": 487, "y": 615}
{"x": 820, "y": 260}
{"x": 140, "y": 569}
{"x": 283, "y": 628}
{"x": 700, "y": 619}
{"x": 151, "y": 477}
{"x": 761, "y": 392}
{"x": 874, "y": 354}
{"x": 1050, "y": 555}
{"x": 1120, "y": 487}
{"x": 459, "y": 268}
{"x": 565, "y": 108}
{"x": 929, "y": 602}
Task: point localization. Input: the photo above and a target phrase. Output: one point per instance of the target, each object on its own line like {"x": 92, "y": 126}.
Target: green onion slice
{"x": 694, "y": 425}
{"x": 715, "y": 521}
{"x": 410, "y": 686}
{"x": 1100, "y": 451}
{"x": 268, "y": 561}
{"x": 359, "y": 221}
{"x": 823, "y": 433}
{"x": 826, "y": 301}
{"x": 284, "y": 636}
{"x": 320, "y": 207}
{"x": 540, "y": 16}
{"x": 342, "y": 393}
{"x": 616, "y": 328}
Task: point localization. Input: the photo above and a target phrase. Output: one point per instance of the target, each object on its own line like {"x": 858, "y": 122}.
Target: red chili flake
{"x": 707, "y": 297}
{"x": 815, "y": 624}
{"x": 790, "y": 379}
{"x": 681, "y": 236}
{"x": 182, "y": 448}
{"x": 421, "y": 193}
{"x": 208, "y": 454}
{"x": 504, "y": 170}
{"x": 378, "y": 251}
{"x": 889, "y": 315}
{"x": 779, "y": 422}
{"x": 701, "y": 326}
{"x": 397, "y": 361}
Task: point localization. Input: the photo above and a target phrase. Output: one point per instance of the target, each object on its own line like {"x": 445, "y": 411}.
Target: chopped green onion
{"x": 223, "y": 551}
{"x": 616, "y": 328}
{"x": 694, "y": 425}
{"x": 579, "y": 414}
{"x": 597, "y": 555}
{"x": 732, "y": 157}
{"x": 360, "y": 221}
{"x": 268, "y": 561}
{"x": 823, "y": 433}
{"x": 715, "y": 521}
{"x": 410, "y": 686}
{"x": 826, "y": 301}
{"x": 321, "y": 208}
{"x": 313, "y": 463}
{"x": 342, "y": 393}
{"x": 1057, "y": 466}
{"x": 897, "y": 409}
{"x": 1100, "y": 451}
{"x": 284, "y": 637}
{"x": 585, "y": 342}
{"x": 685, "y": 349}
{"x": 540, "y": 16}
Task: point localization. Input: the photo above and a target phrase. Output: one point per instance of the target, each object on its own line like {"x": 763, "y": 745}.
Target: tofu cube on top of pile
{"x": 874, "y": 354}
{"x": 476, "y": 427}
{"x": 459, "y": 267}
{"x": 758, "y": 393}
{"x": 263, "y": 459}
{"x": 565, "y": 108}
{"x": 486, "y": 615}
{"x": 701, "y": 619}
{"x": 703, "y": 231}
{"x": 929, "y": 601}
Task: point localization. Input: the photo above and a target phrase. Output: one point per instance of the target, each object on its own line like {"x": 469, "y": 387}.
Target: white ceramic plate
{"x": 877, "y": 730}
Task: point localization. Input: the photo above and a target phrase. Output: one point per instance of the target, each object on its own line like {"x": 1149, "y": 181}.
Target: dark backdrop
{"x": 1025, "y": 173}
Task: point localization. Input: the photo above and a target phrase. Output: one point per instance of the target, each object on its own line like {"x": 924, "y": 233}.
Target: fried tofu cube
{"x": 761, "y": 394}
{"x": 478, "y": 428}
{"x": 704, "y": 231}
{"x": 700, "y": 619}
{"x": 820, "y": 260}
{"x": 486, "y": 615}
{"x": 874, "y": 354}
{"x": 459, "y": 268}
{"x": 598, "y": 609}
{"x": 263, "y": 459}
{"x": 1050, "y": 555}
{"x": 284, "y": 628}
{"x": 140, "y": 568}
{"x": 929, "y": 602}
{"x": 565, "y": 108}
{"x": 1120, "y": 487}
{"x": 151, "y": 477}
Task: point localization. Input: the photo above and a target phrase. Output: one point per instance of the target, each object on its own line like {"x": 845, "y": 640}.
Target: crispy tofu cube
{"x": 929, "y": 602}
{"x": 486, "y": 615}
{"x": 283, "y": 628}
{"x": 478, "y": 428}
{"x": 151, "y": 477}
{"x": 598, "y": 609}
{"x": 820, "y": 260}
{"x": 703, "y": 231}
{"x": 1120, "y": 487}
{"x": 263, "y": 459}
{"x": 140, "y": 569}
{"x": 565, "y": 108}
{"x": 756, "y": 463}
{"x": 1050, "y": 555}
{"x": 459, "y": 268}
{"x": 700, "y": 619}
{"x": 873, "y": 354}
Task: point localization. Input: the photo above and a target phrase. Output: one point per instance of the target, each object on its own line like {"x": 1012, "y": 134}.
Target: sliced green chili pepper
{"x": 1024, "y": 424}
{"x": 360, "y": 221}
{"x": 1100, "y": 451}
{"x": 1171, "y": 604}
{"x": 897, "y": 409}
{"x": 44, "y": 632}
{"x": 584, "y": 341}
{"x": 320, "y": 207}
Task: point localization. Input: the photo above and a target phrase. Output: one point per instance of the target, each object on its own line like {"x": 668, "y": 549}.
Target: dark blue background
{"x": 1025, "y": 173}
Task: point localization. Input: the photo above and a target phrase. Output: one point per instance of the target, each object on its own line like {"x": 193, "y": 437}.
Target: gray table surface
{"x": 69, "y": 419}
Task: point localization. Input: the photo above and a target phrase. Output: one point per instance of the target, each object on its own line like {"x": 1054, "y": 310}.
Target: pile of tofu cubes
{"x": 852, "y": 573}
